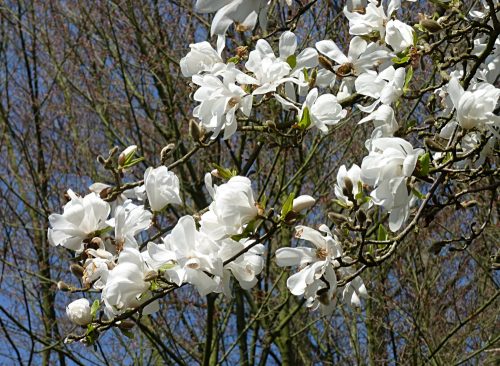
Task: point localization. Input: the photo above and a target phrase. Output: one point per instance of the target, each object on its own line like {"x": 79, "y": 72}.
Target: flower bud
{"x": 337, "y": 218}
{"x": 348, "y": 186}
{"x": 63, "y": 286}
{"x": 95, "y": 243}
{"x": 76, "y": 269}
{"x": 126, "y": 155}
{"x": 323, "y": 296}
{"x": 195, "y": 130}
{"x": 101, "y": 160}
{"x": 326, "y": 63}
{"x": 166, "y": 151}
{"x": 302, "y": 203}
{"x": 312, "y": 78}
{"x": 431, "y": 25}
{"x": 79, "y": 312}
{"x": 126, "y": 324}
{"x": 433, "y": 145}
{"x": 150, "y": 276}
{"x": 215, "y": 173}
{"x": 271, "y": 124}
{"x": 361, "y": 216}
{"x": 467, "y": 204}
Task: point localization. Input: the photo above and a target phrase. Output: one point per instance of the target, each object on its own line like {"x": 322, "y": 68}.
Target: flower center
{"x": 233, "y": 102}
{"x": 345, "y": 69}
{"x": 321, "y": 253}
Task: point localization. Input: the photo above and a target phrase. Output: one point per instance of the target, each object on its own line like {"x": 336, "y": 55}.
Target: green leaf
{"x": 364, "y": 200}
{"x": 341, "y": 204}
{"x": 292, "y": 61}
{"x": 305, "y": 121}
{"x": 306, "y": 74}
{"x": 167, "y": 266}
{"x": 153, "y": 286}
{"x": 408, "y": 77}
{"x": 93, "y": 309}
{"x": 447, "y": 157}
{"x": 102, "y": 231}
{"x": 361, "y": 193}
{"x": 91, "y": 335}
{"x": 224, "y": 173}
{"x": 420, "y": 28}
{"x": 415, "y": 38}
{"x": 424, "y": 162}
{"x": 381, "y": 233}
{"x": 401, "y": 60}
{"x": 263, "y": 202}
{"x": 412, "y": 123}
{"x": 247, "y": 232}
{"x": 288, "y": 205}
{"x": 234, "y": 60}
{"x": 132, "y": 162}
{"x": 417, "y": 193}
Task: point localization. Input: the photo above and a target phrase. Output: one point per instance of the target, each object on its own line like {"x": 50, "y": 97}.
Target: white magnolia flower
{"x": 190, "y": 253}
{"x": 395, "y": 197}
{"x": 244, "y": 13}
{"x": 472, "y": 140}
{"x": 318, "y": 269}
{"x": 245, "y": 268}
{"x": 202, "y": 57}
{"x": 79, "y": 312}
{"x": 125, "y": 285}
{"x": 230, "y": 74}
{"x": 317, "y": 277}
{"x": 398, "y": 35}
{"x": 162, "y": 187}
{"x": 97, "y": 267}
{"x": 323, "y": 111}
{"x": 384, "y": 121}
{"x": 360, "y": 58}
{"x": 348, "y": 184}
{"x": 129, "y": 220}
{"x": 372, "y": 20}
{"x": 346, "y": 88}
{"x": 389, "y": 157}
{"x": 386, "y": 87}
{"x": 355, "y": 290}
{"x": 232, "y": 208}
{"x": 474, "y": 108}
{"x": 219, "y": 103}
{"x": 82, "y": 217}
{"x": 271, "y": 71}
{"x": 490, "y": 68}
{"x": 390, "y": 162}
{"x": 317, "y": 263}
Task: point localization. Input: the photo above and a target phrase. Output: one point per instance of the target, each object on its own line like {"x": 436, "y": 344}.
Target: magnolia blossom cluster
{"x": 203, "y": 254}
{"x": 300, "y": 83}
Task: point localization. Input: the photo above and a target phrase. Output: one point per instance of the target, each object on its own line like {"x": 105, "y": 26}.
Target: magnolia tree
{"x": 275, "y": 237}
